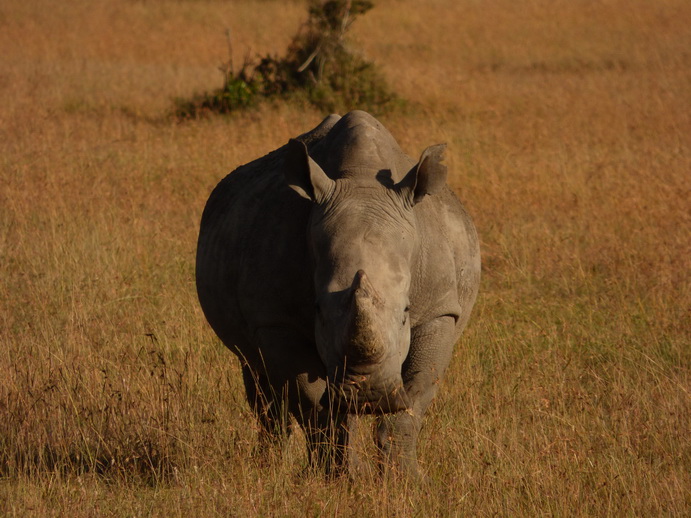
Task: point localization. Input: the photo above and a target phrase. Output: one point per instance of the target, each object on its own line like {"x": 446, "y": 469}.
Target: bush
{"x": 318, "y": 67}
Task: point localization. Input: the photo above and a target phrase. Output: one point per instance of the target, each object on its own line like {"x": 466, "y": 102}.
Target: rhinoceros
{"x": 341, "y": 273}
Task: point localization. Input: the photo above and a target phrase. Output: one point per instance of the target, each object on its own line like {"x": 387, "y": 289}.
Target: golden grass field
{"x": 569, "y": 132}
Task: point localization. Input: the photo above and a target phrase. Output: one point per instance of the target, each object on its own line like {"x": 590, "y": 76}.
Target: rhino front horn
{"x": 363, "y": 289}
{"x": 364, "y": 343}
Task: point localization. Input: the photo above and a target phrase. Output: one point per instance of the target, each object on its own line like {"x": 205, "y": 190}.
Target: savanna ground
{"x": 568, "y": 124}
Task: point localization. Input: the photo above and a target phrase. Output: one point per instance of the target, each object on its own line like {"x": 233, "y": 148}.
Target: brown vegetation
{"x": 568, "y": 127}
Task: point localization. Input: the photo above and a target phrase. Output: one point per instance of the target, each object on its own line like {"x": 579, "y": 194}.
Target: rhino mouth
{"x": 356, "y": 395}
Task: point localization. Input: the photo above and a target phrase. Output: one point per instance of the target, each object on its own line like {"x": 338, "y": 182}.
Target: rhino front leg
{"x": 430, "y": 353}
{"x": 327, "y": 441}
{"x": 297, "y": 384}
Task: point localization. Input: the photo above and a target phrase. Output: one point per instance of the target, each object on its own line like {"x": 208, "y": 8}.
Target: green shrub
{"x": 318, "y": 67}
{"x": 238, "y": 91}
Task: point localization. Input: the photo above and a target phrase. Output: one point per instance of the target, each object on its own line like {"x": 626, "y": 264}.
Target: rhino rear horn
{"x": 304, "y": 175}
{"x": 427, "y": 177}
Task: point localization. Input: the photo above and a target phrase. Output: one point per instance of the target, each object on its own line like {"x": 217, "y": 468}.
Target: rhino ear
{"x": 304, "y": 175}
{"x": 427, "y": 177}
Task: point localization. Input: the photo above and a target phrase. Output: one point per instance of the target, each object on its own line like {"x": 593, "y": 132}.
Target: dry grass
{"x": 568, "y": 126}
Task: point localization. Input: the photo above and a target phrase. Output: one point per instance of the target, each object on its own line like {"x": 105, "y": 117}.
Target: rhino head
{"x": 363, "y": 240}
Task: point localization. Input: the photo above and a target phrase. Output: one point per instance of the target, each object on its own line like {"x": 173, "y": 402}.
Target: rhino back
{"x": 358, "y": 141}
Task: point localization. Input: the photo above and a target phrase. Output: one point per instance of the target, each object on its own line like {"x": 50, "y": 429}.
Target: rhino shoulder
{"x": 449, "y": 272}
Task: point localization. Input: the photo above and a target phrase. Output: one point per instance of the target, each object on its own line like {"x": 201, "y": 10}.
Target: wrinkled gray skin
{"x": 341, "y": 272}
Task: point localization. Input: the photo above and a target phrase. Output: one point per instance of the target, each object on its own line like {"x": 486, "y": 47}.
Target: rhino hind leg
{"x": 269, "y": 408}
